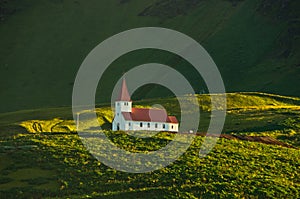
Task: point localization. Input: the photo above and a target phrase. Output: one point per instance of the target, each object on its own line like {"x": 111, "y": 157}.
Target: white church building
{"x": 133, "y": 119}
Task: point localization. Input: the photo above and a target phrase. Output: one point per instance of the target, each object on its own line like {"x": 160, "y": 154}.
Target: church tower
{"x": 123, "y": 102}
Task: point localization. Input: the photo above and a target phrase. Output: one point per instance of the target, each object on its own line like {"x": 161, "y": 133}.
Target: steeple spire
{"x": 124, "y": 95}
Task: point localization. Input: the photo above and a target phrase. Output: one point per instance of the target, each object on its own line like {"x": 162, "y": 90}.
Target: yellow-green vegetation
{"x": 232, "y": 169}
{"x": 46, "y": 158}
{"x": 55, "y": 125}
{"x": 58, "y": 125}
{"x": 247, "y": 113}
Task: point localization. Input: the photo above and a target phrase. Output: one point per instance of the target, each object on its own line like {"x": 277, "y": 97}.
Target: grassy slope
{"x": 247, "y": 113}
{"x": 232, "y": 169}
{"x": 44, "y": 42}
{"x": 54, "y": 163}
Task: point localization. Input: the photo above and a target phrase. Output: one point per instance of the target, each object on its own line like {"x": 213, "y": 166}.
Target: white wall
{"x": 118, "y": 119}
{"x": 135, "y": 125}
{"x": 120, "y": 106}
{"x": 123, "y": 106}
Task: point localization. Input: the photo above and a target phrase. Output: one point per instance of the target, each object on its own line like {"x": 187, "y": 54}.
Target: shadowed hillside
{"x": 255, "y": 44}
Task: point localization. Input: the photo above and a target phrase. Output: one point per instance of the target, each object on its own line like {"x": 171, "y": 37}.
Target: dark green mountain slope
{"x": 255, "y": 44}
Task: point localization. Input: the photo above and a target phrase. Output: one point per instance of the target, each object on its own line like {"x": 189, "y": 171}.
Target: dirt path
{"x": 261, "y": 139}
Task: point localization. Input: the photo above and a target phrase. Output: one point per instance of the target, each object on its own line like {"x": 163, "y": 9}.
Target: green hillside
{"x": 42, "y": 156}
{"x": 247, "y": 114}
{"x": 255, "y": 44}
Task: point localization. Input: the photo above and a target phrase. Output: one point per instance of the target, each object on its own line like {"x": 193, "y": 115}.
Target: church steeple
{"x": 123, "y": 102}
{"x": 124, "y": 95}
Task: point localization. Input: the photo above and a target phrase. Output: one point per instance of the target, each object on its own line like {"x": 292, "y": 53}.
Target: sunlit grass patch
{"x": 64, "y": 167}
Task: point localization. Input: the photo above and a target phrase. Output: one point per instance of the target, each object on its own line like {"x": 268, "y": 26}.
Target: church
{"x": 143, "y": 119}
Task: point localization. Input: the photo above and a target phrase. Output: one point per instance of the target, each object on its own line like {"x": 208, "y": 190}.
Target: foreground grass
{"x": 64, "y": 168}
{"x": 44, "y": 157}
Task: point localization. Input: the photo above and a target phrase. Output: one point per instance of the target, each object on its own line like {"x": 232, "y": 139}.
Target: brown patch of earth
{"x": 261, "y": 139}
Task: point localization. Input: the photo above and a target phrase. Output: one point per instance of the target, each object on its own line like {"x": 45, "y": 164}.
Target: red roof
{"x": 172, "y": 119}
{"x": 149, "y": 115}
{"x": 124, "y": 95}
